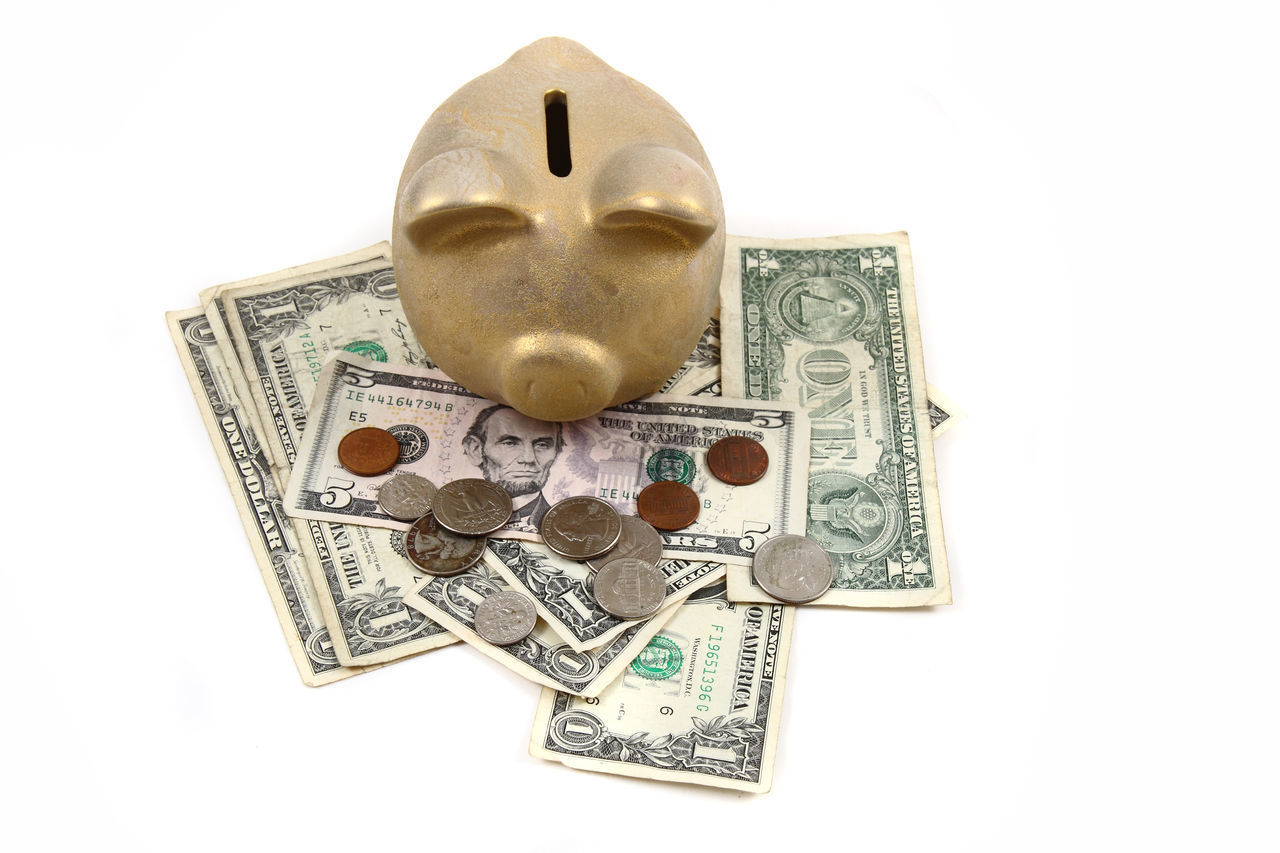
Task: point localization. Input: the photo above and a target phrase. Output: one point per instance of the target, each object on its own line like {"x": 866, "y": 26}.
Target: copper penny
{"x": 368, "y": 451}
{"x": 668, "y": 505}
{"x": 737, "y": 460}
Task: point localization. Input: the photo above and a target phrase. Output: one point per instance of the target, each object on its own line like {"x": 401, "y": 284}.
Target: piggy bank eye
{"x": 476, "y": 224}
{"x": 686, "y": 222}
{"x": 658, "y": 189}
{"x": 455, "y": 196}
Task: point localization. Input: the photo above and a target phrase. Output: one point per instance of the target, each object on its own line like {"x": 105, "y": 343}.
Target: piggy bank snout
{"x": 563, "y": 377}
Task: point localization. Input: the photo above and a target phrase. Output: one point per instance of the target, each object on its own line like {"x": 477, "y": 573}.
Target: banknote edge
{"x": 283, "y": 615}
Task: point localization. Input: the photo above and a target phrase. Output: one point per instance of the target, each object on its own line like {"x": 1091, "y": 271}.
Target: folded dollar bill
{"x": 542, "y": 657}
{"x": 561, "y": 589}
{"x": 944, "y": 413}
{"x": 700, "y": 374}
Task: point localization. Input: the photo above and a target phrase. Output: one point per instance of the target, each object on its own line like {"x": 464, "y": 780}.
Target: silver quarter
{"x": 638, "y": 540}
{"x": 406, "y": 497}
{"x": 794, "y": 569}
{"x": 505, "y": 618}
{"x": 581, "y": 528}
{"x": 437, "y": 551}
{"x": 630, "y": 588}
{"x": 472, "y": 507}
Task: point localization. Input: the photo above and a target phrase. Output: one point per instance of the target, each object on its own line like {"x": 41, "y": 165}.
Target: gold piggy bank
{"x": 558, "y": 235}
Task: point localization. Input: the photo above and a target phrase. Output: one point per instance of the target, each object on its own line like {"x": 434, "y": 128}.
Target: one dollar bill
{"x": 700, "y": 704}
{"x": 245, "y": 465}
{"x": 281, "y": 325}
{"x": 611, "y": 456}
{"x": 830, "y": 325}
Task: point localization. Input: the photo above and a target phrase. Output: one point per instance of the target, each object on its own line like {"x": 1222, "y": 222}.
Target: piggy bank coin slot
{"x": 556, "y": 106}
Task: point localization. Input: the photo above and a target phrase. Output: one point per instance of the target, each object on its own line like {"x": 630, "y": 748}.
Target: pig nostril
{"x": 556, "y": 107}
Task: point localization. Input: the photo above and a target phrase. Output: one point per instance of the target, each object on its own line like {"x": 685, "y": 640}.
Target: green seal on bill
{"x": 368, "y": 349}
{"x": 658, "y": 660}
{"x": 672, "y": 465}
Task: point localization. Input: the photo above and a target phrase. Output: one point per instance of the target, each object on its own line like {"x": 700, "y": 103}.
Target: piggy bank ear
{"x": 458, "y": 195}
{"x": 658, "y": 189}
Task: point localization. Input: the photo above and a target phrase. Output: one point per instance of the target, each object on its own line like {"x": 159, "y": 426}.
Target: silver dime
{"x": 630, "y": 588}
{"x": 437, "y": 551}
{"x": 406, "y": 497}
{"x": 472, "y": 507}
{"x": 794, "y": 569}
{"x": 638, "y": 540}
{"x": 581, "y": 528}
{"x": 505, "y": 618}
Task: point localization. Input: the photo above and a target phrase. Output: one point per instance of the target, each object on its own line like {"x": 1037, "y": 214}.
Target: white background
{"x": 1091, "y": 194}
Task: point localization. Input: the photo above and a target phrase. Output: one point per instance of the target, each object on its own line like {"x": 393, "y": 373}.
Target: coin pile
{"x": 451, "y": 536}
{"x": 451, "y": 525}
{"x": 452, "y": 533}
{"x": 590, "y": 531}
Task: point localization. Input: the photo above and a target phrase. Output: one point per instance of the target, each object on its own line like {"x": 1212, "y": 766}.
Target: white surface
{"x": 1090, "y": 193}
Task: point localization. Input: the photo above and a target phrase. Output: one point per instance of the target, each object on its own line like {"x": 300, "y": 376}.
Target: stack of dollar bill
{"x": 816, "y": 353}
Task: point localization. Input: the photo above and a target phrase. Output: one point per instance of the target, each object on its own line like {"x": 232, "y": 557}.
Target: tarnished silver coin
{"x": 581, "y": 528}
{"x": 638, "y": 540}
{"x": 630, "y": 588}
{"x": 505, "y": 618}
{"x": 472, "y": 507}
{"x": 793, "y": 568}
{"x": 406, "y": 497}
{"x": 437, "y": 551}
